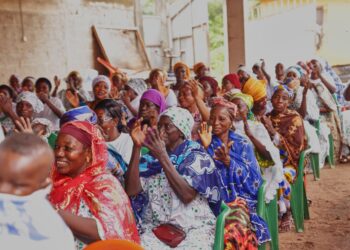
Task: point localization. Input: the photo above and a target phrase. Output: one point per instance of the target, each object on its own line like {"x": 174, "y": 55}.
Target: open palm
{"x": 138, "y": 134}
{"x": 205, "y": 134}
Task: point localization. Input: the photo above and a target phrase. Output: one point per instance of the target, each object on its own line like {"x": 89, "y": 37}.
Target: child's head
{"x": 26, "y": 161}
{"x": 42, "y": 127}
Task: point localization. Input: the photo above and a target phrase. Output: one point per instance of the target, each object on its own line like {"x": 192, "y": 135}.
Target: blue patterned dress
{"x": 158, "y": 203}
{"x": 242, "y": 177}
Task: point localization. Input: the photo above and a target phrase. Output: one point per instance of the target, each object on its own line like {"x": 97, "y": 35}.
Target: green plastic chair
{"x": 220, "y": 227}
{"x": 299, "y": 206}
{"x": 271, "y": 217}
{"x": 225, "y": 211}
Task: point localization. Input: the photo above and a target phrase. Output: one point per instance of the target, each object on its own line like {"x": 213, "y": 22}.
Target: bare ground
{"x": 329, "y": 226}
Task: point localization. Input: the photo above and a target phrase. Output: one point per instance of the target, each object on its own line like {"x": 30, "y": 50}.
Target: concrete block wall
{"x": 56, "y": 35}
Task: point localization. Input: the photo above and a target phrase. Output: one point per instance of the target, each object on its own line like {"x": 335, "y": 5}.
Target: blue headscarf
{"x": 83, "y": 113}
{"x": 285, "y": 88}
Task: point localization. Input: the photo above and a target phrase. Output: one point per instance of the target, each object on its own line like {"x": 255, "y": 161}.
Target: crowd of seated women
{"x": 139, "y": 159}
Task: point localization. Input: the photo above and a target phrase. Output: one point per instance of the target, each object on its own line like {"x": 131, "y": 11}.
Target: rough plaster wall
{"x": 58, "y": 32}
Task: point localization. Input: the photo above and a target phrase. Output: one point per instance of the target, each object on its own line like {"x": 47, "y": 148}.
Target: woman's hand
{"x": 73, "y": 98}
{"x": 205, "y": 134}
{"x": 155, "y": 144}
{"x": 138, "y": 134}
{"x": 57, "y": 82}
{"x": 194, "y": 87}
{"x": 25, "y": 126}
{"x": 222, "y": 154}
{"x": 268, "y": 125}
{"x": 5, "y": 104}
{"x": 126, "y": 99}
{"x": 43, "y": 97}
{"x": 247, "y": 130}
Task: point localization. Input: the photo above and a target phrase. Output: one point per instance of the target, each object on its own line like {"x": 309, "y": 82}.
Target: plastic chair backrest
{"x": 220, "y": 227}
{"x": 113, "y": 245}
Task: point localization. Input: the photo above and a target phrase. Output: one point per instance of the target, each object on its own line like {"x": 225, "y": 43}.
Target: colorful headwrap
{"x": 197, "y": 67}
{"x": 284, "y": 88}
{"x": 138, "y": 85}
{"x": 222, "y": 102}
{"x": 156, "y": 98}
{"x": 181, "y": 64}
{"x": 234, "y": 79}
{"x": 30, "y": 97}
{"x": 79, "y": 134}
{"x": 181, "y": 118}
{"x": 83, "y": 113}
{"x": 103, "y": 195}
{"x": 247, "y": 99}
{"x": 254, "y": 88}
{"x": 213, "y": 83}
{"x": 101, "y": 78}
{"x": 299, "y": 71}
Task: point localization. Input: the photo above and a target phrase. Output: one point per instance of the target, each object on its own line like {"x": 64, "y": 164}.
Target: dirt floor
{"x": 329, "y": 226}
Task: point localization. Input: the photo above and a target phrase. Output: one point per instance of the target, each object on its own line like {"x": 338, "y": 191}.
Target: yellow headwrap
{"x": 255, "y": 88}
{"x": 181, "y": 64}
{"x": 197, "y": 67}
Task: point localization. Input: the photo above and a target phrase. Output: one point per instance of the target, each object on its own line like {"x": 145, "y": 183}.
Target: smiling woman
{"x": 99, "y": 209}
{"x": 101, "y": 87}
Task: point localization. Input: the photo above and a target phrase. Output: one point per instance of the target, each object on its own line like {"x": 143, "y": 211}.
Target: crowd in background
{"x": 137, "y": 159}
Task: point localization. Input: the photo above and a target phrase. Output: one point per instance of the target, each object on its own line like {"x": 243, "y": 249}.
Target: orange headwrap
{"x": 255, "y": 88}
{"x": 181, "y": 64}
{"x": 197, "y": 67}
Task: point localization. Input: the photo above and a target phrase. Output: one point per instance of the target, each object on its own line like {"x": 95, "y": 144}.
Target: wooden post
{"x": 235, "y": 34}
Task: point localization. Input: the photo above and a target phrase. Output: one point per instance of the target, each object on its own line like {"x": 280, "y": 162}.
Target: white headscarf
{"x": 31, "y": 98}
{"x": 101, "y": 78}
{"x": 181, "y": 118}
{"x": 138, "y": 85}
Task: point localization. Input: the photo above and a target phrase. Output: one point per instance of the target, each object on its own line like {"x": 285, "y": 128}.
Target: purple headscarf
{"x": 156, "y": 98}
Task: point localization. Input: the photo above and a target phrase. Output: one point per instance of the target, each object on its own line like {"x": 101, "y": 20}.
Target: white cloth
{"x": 123, "y": 145}
{"x": 323, "y": 95}
{"x": 30, "y": 222}
{"x": 345, "y": 115}
{"x": 312, "y": 110}
{"x": 195, "y": 218}
{"x": 273, "y": 175}
{"x": 50, "y": 115}
{"x": 135, "y": 104}
{"x": 171, "y": 99}
{"x": 2, "y": 136}
{"x": 312, "y": 138}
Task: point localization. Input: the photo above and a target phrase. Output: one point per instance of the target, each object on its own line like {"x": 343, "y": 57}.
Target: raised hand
{"x": 268, "y": 125}
{"x": 73, "y": 98}
{"x": 205, "y": 134}
{"x": 154, "y": 143}
{"x": 126, "y": 98}
{"x": 5, "y": 104}
{"x": 138, "y": 134}
{"x": 57, "y": 81}
{"x": 193, "y": 84}
{"x": 24, "y": 126}
{"x": 222, "y": 153}
{"x": 247, "y": 130}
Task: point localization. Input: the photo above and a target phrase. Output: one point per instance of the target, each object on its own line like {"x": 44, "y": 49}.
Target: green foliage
{"x": 148, "y": 7}
{"x": 216, "y": 37}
